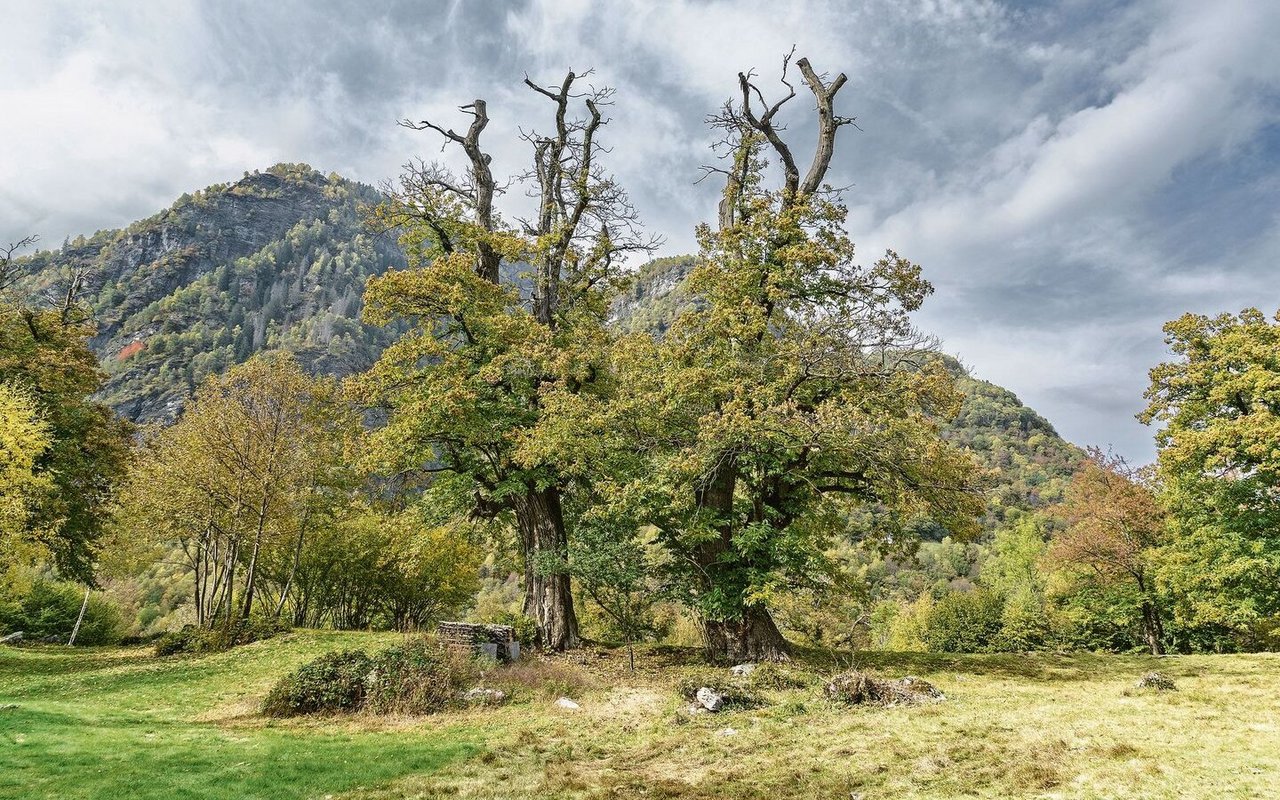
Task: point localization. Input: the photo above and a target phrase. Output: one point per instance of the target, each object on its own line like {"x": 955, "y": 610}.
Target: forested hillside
{"x": 275, "y": 260}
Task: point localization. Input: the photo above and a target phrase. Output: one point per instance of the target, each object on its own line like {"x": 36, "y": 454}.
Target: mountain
{"x": 277, "y": 259}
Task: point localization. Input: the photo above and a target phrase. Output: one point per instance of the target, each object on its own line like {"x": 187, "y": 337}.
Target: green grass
{"x": 121, "y": 724}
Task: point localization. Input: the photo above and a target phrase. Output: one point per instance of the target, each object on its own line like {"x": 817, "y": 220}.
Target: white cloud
{"x": 1048, "y": 164}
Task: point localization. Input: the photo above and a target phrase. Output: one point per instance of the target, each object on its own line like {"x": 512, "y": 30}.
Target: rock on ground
{"x": 709, "y": 699}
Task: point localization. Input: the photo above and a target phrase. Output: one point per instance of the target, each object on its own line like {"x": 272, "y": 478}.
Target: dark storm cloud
{"x": 1071, "y": 174}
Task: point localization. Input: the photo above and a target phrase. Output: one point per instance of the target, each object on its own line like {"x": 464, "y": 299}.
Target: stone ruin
{"x": 495, "y": 641}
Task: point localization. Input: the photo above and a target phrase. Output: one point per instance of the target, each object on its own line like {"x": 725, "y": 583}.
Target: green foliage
{"x": 965, "y": 622}
{"x": 24, "y": 437}
{"x": 1219, "y": 406}
{"x": 42, "y": 608}
{"x": 418, "y": 677}
{"x": 191, "y": 639}
{"x": 334, "y": 682}
{"x": 65, "y": 508}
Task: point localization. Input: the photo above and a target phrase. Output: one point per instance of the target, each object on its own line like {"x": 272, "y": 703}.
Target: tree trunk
{"x": 1152, "y": 628}
{"x": 548, "y": 599}
{"x": 752, "y": 637}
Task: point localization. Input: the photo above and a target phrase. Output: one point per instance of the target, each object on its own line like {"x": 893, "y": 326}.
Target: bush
{"x": 332, "y": 683}
{"x": 191, "y": 639}
{"x": 50, "y": 608}
{"x": 965, "y": 622}
{"x": 419, "y": 677}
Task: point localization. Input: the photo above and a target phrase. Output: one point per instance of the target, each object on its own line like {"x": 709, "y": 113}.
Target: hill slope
{"x": 276, "y": 260}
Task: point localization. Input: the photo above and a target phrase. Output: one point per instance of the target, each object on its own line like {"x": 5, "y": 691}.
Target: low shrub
{"x": 191, "y": 639}
{"x": 736, "y": 691}
{"x": 332, "y": 683}
{"x": 418, "y": 677}
{"x": 855, "y": 688}
{"x": 48, "y": 609}
{"x": 965, "y": 622}
{"x": 768, "y": 675}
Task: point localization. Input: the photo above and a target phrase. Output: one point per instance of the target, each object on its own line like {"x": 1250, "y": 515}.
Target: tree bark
{"x": 548, "y": 599}
{"x": 751, "y": 637}
{"x": 1152, "y": 628}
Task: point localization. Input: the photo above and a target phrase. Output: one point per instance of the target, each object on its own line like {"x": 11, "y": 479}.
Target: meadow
{"x": 120, "y": 722}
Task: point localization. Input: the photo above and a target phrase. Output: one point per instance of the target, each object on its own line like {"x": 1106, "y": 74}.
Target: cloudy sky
{"x": 1070, "y": 174}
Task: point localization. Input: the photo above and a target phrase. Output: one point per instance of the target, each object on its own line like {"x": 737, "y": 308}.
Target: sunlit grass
{"x": 121, "y": 724}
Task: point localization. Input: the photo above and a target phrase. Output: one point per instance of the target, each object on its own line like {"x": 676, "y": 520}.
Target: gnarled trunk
{"x": 548, "y": 599}
{"x": 751, "y": 637}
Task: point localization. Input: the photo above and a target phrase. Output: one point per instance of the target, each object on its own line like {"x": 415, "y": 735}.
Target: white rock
{"x": 743, "y": 670}
{"x": 482, "y": 696}
{"x": 709, "y": 699}
{"x": 566, "y": 703}
{"x": 726, "y": 732}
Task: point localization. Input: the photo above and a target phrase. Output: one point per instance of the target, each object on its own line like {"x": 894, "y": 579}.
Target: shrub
{"x": 418, "y": 677}
{"x": 965, "y": 622}
{"x": 855, "y": 688}
{"x": 191, "y": 639}
{"x": 769, "y": 675}
{"x": 332, "y": 683}
{"x": 49, "y": 608}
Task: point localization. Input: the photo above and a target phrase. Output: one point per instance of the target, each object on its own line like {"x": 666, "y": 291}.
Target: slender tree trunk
{"x": 548, "y": 599}
{"x": 252, "y": 576}
{"x": 76, "y": 630}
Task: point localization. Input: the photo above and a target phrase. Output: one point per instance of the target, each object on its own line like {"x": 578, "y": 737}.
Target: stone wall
{"x": 496, "y": 641}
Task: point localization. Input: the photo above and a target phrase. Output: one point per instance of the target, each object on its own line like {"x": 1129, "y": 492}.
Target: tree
{"x": 45, "y": 355}
{"x": 796, "y": 391}
{"x": 252, "y": 469}
{"x": 1114, "y": 527}
{"x": 1219, "y": 461}
{"x": 24, "y": 437}
{"x": 484, "y": 368}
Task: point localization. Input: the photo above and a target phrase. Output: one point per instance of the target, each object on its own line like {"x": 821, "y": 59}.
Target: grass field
{"x": 119, "y": 723}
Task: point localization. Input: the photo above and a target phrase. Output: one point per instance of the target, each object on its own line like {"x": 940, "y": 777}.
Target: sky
{"x": 1071, "y": 175}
